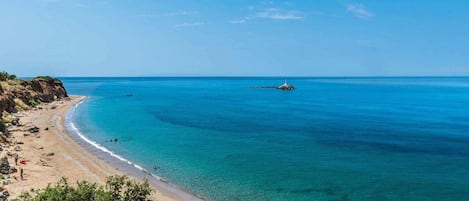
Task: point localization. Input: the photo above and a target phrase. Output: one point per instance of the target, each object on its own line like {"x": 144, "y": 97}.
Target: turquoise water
{"x": 333, "y": 139}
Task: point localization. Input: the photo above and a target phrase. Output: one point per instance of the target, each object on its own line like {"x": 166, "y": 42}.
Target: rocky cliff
{"x": 17, "y": 95}
{"x": 22, "y": 94}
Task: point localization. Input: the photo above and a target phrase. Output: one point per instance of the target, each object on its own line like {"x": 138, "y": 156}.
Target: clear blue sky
{"x": 234, "y": 37}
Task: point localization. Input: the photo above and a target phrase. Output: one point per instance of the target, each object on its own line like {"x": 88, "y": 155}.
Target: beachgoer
{"x": 21, "y": 173}
{"x": 16, "y": 159}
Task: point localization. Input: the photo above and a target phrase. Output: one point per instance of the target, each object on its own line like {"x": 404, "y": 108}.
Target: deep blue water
{"x": 333, "y": 139}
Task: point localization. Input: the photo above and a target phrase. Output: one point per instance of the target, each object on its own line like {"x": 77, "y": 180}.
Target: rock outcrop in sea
{"x": 286, "y": 86}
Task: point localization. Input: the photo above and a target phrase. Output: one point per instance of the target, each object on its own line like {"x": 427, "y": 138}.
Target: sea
{"x": 330, "y": 139}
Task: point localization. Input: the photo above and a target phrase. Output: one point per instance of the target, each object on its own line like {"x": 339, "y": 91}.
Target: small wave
{"x": 111, "y": 153}
{"x": 70, "y": 125}
{"x": 100, "y": 147}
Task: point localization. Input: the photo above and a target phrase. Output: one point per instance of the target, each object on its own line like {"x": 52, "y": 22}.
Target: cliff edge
{"x": 23, "y": 94}
{"x": 17, "y": 95}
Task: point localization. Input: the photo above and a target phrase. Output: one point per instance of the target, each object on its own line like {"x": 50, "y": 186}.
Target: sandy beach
{"x": 52, "y": 153}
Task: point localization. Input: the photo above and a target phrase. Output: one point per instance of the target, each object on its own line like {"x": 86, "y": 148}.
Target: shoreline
{"x": 60, "y": 151}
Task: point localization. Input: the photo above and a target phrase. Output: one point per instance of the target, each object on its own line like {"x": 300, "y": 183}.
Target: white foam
{"x": 104, "y": 149}
{"x": 169, "y": 186}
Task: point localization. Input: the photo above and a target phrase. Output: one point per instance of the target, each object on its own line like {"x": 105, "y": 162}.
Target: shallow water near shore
{"x": 331, "y": 139}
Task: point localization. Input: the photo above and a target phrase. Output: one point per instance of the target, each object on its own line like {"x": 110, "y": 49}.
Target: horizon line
{"x": 262, "y": 76}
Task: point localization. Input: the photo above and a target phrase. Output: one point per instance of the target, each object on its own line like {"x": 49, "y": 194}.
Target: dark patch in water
{"x": 334, "y": 192}
{"x": 217, "y": 122}
{"x": 300, "y": 191}
{"x": 329, "y": 191}
{"x": 344, "y": 197}
{"x": 365, "y": 132}
{"x": 436, "y": 145}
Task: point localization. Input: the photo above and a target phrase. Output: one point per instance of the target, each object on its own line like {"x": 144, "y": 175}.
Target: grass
{"x": 21, "y": 105}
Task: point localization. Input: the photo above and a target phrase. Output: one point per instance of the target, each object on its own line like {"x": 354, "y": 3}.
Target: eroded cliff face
{"x": 16, "y": 95}
{"x": 46, "y": 89}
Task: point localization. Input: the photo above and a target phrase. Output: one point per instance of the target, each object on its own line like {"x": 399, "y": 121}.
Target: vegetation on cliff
{"x": 4, "y": 76}
{"x": 117, "y": 188}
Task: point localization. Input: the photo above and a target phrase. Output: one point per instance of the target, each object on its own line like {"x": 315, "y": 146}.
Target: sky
{"x": 234, "y": 37}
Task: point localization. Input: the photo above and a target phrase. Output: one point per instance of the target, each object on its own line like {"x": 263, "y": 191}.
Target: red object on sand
{"x": 22, "y": 162}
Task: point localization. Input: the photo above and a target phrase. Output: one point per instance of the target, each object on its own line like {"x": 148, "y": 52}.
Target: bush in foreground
{"x": 117, "y": 188}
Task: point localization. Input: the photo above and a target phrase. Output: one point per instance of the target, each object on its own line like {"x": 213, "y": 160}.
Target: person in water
{"x": 155, "y": 168}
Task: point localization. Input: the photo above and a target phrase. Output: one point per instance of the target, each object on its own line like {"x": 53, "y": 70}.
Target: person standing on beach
{"x": 16, "y": 159}
{"x": 21, "y": 173}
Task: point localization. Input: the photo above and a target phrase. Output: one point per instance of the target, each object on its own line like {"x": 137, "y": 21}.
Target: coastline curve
{"x": 122, "y": 164}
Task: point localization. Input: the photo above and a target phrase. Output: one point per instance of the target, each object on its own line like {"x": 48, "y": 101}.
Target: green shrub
{"x": 117, "y": 188}
{"x": 47, "y": 79}
{"x": 4, "y": 76}
{"x": 34, "y": 102}
{"x": 3, "y": 128}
